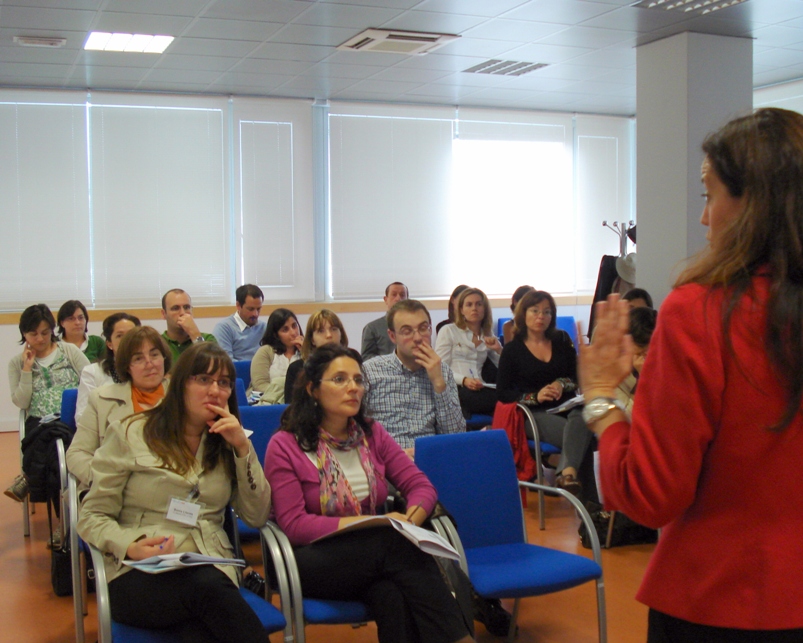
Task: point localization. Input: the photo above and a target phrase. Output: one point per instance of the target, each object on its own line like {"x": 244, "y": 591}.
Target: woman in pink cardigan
{"x": 328, "y": 466}
{"x": 712, "y": 454}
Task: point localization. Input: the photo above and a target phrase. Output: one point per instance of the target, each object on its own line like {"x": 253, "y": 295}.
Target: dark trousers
{"x": 482, "y": 401}
{"x": 201, "y": 604}
{"x": 668, "y": 629}
{"x": 401, "y": 585}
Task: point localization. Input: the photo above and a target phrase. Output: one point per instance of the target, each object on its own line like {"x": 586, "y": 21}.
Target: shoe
{"x": 19, "y": 488}
{"x": 569, "y": 483}
{"x": 55, "y": 539}
{"x": 492, "y": 615}
{"x": 255, "y": 583}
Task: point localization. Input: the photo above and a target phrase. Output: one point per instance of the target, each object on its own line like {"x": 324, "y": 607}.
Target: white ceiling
{"x": 287, "y": 48}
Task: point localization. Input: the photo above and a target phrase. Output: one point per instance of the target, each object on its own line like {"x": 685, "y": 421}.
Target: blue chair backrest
{"x": 242, "y": 398}
{"x": 69, "y": 400}
{"x": 499, "y": 324}
{"x": 263, "y": 421}
{"x": 568, "y": 324}
{"x": 475, "y": 477}
{"x": 243, "y": 368}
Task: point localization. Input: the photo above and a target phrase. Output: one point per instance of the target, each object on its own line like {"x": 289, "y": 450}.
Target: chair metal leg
{"x": 528, "y": 417}
{"x": 26, "y": 520}
{"x": 608, "y": 537}
{"x": 511, "y": 633}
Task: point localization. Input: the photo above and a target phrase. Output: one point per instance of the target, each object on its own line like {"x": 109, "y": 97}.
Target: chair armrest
{"x": 102, "y": 596}
{"x": 276, "y": 549}
{"x": 444, "y": 526}
{"x": 581, "y": 510}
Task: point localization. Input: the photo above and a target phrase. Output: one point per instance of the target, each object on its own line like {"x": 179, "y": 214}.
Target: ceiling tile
{"x": 565, "y": 12}
{"x": 431, "y": 21}
{"x": 285, "y": 51}
{"x": 523, "y": 31}
{"x": 440, "y": 62}
{"x": 777, "y": 36}
{"x": 116, "y": 59}
{"x": 183, "y": 76}
{"x": 377, "y": 59}
{"x": 165, "y": 7}
{"x": 412, "y": 75}
{"x": 97, "y": 77}
{"x": 211, "y": 63}
{"x": 18, "y": 54}
{"x": 393, "y": 4}
{"x": 336, "y": 15}
{"x": 586, "y": 37}
{"x": 325, "y": 69}
{"x": 636, "y": 19}
{"x": 40, "y": 70}
{"x": 546, "y": 53}
{"x": 265, "y": 66}
{"x": 312, "y": 35}
{"x": 46, "y": 18}
{"x": 232, "y": 29}
{"x": 385, "y": 86}
{"x": 263, "y": 10}
{"x": 471, "y": 7}
{"x": 477, "y": 47}
{"x": 140, "y": 23}
{"x": 212, "y": 47}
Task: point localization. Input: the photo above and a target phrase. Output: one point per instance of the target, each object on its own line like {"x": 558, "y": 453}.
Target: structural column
{"x": 687, "y": 86}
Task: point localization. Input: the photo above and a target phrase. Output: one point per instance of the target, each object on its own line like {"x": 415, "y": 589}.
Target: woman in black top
{"x": 539, "y": 368}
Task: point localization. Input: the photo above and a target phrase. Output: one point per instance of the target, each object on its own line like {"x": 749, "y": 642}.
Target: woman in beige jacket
{"x": 161, "y": 484}
{"x": 141, "y": 361}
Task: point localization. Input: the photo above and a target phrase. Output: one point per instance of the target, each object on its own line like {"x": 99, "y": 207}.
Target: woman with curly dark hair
{"x": 329, "y": 465}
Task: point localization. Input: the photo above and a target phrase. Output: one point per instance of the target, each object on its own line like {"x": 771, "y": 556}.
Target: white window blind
{"x": 43, "y": 199}
{"x": 274, "y": 227}
{"x": 159, "y": 199}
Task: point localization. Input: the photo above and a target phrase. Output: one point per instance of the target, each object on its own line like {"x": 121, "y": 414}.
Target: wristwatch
{"x": 198, "y": 339}
{"x": 599, "y": 407}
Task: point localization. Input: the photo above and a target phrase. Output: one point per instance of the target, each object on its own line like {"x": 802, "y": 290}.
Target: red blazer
{"x": 700, "y": 461}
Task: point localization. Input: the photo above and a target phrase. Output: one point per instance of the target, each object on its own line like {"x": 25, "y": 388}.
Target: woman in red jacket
{"x": 719, "y": 393}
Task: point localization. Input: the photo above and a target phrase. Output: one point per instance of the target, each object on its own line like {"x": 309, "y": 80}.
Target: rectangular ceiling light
{"x": 136, "y": 42}
{"x": 699, "y": 6}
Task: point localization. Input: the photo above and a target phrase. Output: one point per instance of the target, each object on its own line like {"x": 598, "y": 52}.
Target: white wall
{"x": 353, "y": 322}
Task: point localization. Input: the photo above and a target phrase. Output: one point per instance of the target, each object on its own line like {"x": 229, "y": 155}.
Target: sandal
{"x": 569, "y": 483}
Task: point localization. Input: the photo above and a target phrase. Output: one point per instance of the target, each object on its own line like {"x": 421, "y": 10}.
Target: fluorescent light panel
{"x": 139, "y": 43}
{"x": 700, "y": 6}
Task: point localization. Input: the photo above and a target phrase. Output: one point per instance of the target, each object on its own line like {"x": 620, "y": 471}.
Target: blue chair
{"x": 475, "y": 477}
{"x": 271, "y": 618}
{"x": 243, "y": 368}
{"x": 263, "y": 420}
{"x": 69, "y": 400}
{"x": 568, "y": 324}
{"x": 307, "y": 611}
{"x": 499, "y": 332}
{"x": 478, "y": 421}
{"x": 539, "y": 449}
{"x": 239, "y": 388}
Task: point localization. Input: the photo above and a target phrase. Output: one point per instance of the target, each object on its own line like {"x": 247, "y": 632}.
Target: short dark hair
{"x": 248, "y": 290}
{"x": 108, "y": 330}
{"x": 68, "y": 309}
{"x": 407, "y": 306}
{"x": 304, "y": 415}
{"x": 132, "y": 342}
{"x": 177, "y": 291}
{"x": 642, "y": 325}
{"x": 638, "y": 293}
{"x": 32, "y": 317}
{"x": 520, "y": 314}
{"x": 277, "y": 319}
{"x": 517, "y": 295}
{"x": 397, "y": 283}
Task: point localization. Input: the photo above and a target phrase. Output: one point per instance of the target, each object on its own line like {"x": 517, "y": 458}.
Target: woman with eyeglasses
{"x": 329, "y": 465}
{"x": 73, "y": 321}
{"x": 539, "y": 368}
{"x": 161, "y": 482}
{"x": 142, "y": 359}
{"x": 466, "y": 346}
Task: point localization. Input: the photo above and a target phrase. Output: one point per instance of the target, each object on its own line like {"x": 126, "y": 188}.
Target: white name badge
{"x": 183, "y": 511}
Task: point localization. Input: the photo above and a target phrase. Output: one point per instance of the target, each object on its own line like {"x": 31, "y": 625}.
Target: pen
{"x": 162, "y": 546}
{"x": 412, "y": 513}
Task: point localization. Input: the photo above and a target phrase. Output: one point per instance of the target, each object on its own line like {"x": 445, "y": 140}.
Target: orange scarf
{"x": 149, "y": 400}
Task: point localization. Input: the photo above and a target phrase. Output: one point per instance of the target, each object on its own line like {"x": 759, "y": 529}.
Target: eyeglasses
{"x": 343, "y": 382}
{"x": 537, "y": 313}
{"x": 425, "y": 330}
{"x": 224, "y": 383}
{"x": 154, "y": 357}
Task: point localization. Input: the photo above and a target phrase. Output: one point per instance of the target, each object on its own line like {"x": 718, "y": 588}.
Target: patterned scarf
{"x": 337, "y": 498}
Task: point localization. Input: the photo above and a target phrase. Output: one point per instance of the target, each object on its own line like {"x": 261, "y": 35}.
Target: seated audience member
{"x": 539, "y": 367}
{"x": 101, "y": 373}
{"x": 281, "y": 345}
{"x": 507, "y": 327}
{"x": 142, "y": 360}
{"x": 323, "y": 327}
{"x": 328, "y": 466}
{"x": 413, "y": 393}
{"x": 375, "y": 340}
{"x": 466, "y": 346}
{"x": 73, "y": 322}
{"x": 642, "y": 325}
{"x": 40, "y": 374}
{"x": 638, "y": 298}
{"x": 240, "y": 334}
{"x": 193, "y": 448}
{"x": 451, "y": 308}
{"x": 182, "y": 331}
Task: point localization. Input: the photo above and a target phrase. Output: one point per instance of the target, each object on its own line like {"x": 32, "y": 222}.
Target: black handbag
{"x": 624, "y": 531}
{"x": 61, "y": 571}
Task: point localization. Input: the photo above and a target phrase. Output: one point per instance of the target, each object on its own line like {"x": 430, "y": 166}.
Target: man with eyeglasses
{"x": 375, "y": 340}
{"x": 182, "y": 331}
{"x": 412, "y": 392}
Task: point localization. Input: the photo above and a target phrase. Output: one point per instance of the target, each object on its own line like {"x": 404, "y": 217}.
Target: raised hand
{"x": 230, "y": 429}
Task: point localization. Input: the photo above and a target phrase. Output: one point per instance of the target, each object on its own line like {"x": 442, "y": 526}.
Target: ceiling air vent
{"x": 687, "y": 6}
{"x": 37, "y": 41}
{"x": 387, "y": 41}
{"x": 504, "y": 68}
